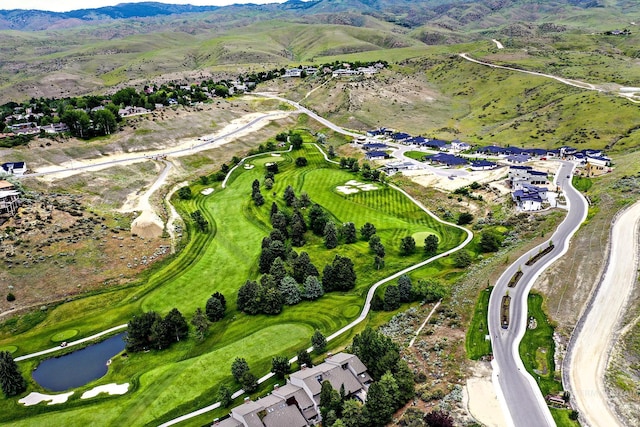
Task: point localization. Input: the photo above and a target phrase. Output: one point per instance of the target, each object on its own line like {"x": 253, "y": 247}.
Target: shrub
{"x": 11, "y": 297}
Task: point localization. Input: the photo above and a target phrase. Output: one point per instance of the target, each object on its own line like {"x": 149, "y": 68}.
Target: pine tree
{"x": 312, "y": 288}
{"x": 330, "y": 235}
{"x": 318, "y": 341}
{"x": 11, "y": 379}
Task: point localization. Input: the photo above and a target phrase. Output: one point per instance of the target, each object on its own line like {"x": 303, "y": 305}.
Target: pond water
{"x": 80, "y": 367}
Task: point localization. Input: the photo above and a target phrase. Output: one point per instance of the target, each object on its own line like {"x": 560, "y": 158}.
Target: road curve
{"x": 588, "y": 352}
{"x": 570, "y": 82}
{"x": 517, "y": 390}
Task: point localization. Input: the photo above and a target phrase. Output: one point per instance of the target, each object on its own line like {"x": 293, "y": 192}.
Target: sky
{"x": 67, "y": 5}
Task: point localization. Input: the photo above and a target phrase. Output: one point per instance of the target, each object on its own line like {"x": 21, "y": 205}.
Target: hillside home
{"x": 457, "y": 145}
{"x": 517, "y": 158}
{"x": 375, "y": 155}
{"x": 527, "y": 201}
{"x": 293, "y": 72}
{"x": 14, "y": 168}
{"x": 482, "y": 165}
{"x": 447, "y": 159}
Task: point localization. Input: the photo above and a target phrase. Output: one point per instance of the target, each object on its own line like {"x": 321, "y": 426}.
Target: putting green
{"x": 9, "y": 348}
{"x": 64, "y": 335}
{"x": 420, "y": 236}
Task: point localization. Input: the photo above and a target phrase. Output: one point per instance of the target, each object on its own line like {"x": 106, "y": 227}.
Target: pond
{"x": 80, "y": 367}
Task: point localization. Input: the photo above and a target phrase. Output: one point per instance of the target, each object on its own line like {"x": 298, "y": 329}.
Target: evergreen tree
{"x": 177, "y": 324}
{"x": 407, "y": 245}
{"x": 274, "y": 210}
{"x": 489, "y": 241}
{"x": 249, "y": 298}
{"x": 290, "y": 291}
{"x": 280, "y": 366}
{"x": 330, "y": 235}
{"x": 431, "y": 244}
{"x": 303, "y": 268}
{"x": 238, "y": 368}
{"x": 139, "y": 334}
{"x": 297, "y": 234}
{"x": 318, "y": 341}
{"x": 367, "y": 230}
{"x": 349, "y": 232}
{"x": 305, "y": 200}
{"x": 249, "y": 382}
{"x": 201, "y": 323}
{"x": 214, "y": 309}
{"x": 224, "y": 396}
{"x": 161, "y": 334}
{"x": 280, "y": 223}
{"x": 379, "y": 406}
{"x": 378, "y": 353}
{"x": 289, "y": 195}
{"x": 272, "y": 301}
{"x": 391, "y": 298}
{"x": 304, "y": 358}
{"x": 11, "y": 379}
{"x": 340, "y": 275}
{"x": 317, "y": 219}
{"x": 405, "y": 288}
{"x": 312, "y": 288}
{"x": 278, "y": 270}
{"x": 376, "y": 246}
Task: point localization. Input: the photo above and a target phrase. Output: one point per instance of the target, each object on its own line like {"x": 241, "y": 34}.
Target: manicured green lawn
{"x": 561, "y": 417}
{"x": 537, "y": 348}
{"x": 581, "y": 183}
{"x": 476, "y": 343}
{"x": 169, "y": 383}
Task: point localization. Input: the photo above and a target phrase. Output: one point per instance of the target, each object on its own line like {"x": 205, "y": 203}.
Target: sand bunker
{"x": 276, "y": 155}
{"x": 112, "y": 389}
{"x": 34, "y": 398}
{"x": 206, "y": 191}
{"x": 344, "y": 189}
{"x": 353, "y": 186}
{"x": 248, "y": 166}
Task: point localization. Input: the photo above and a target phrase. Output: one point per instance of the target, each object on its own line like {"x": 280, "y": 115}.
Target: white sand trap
{"x": 206, "y": 191}
{"x": 367, "y": 187}
{"x": 248, "y": 166}
{"x": 345, "y": 189}
{"x": 354, "y": 183}
{"x": 276, "y": 155}
{"x": 34, "y": 398}
{"x": 111, "y": 389}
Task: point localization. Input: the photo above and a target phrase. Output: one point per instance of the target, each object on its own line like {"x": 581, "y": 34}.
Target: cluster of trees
{"x": 201, "y": 222}
{"x": 214, "y": 311}
{"x": 150, "y": 330}
{"x": 256, "y": 195}
{"x": 11, "y": 379}
{"x": 393, "y": 386}
{"x": 366, "y": 172}
{"x": 243, "y": 375}
{"x": 426, "y": 291}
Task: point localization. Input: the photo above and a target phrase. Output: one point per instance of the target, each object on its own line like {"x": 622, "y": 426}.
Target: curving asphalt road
{"x": 518, "y": 392}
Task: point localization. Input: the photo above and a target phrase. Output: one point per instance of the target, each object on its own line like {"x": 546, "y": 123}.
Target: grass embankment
{"x": 537, "y": 349}
{"x": 476, "y": 342}
{"x": 581, "y": 183}
{"x": 169, "y": 383}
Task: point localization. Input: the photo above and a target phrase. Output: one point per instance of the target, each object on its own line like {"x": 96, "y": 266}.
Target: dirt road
{"x": 596, "y": 334}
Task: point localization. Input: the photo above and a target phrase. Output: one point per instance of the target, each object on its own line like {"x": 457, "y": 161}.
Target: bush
{"x": 185, "y": 193}
{"x": 301, "y": 161}
{"x": 11, "y": 297}
{"x": 465, "y": 218}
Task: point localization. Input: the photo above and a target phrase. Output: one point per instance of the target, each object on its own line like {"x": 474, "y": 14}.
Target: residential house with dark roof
{"x": 375, "y": 155}
{"x": 482, "y": 165}
{"x": 448, "y": 159}
{"x": 374, "y": 146}
{"x": 9, "y": 198}
{"x": 14, "y": 168}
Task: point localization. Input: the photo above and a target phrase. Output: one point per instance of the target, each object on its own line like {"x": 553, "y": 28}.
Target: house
{"x": 526, "y": 174}
{"x": 374, "y": 146}
{"x": 597, "y": 165}
{"x": 375, "y": 155}
{"x": 393, "y": 167}
{"x": 482, "y": 165}
{"x": 297, "y": 403}
{"x": 9, "y": 198}
{"x": 517, "y": 158}
{"x": 342, "y": 72}
{"x": 14, "y": 168}
{"x": 447, "y": 159}
{"x": 55, "y": 128}
{"x": 527, "y": 201}
{"x": 293, "y": 72}
{"x": 400, "y": 136}
{"x": 457, "y": 145}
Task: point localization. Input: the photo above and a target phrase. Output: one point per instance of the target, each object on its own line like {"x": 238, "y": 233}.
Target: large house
{"x": 297, "y": 404}
{"x": 448, "y": 159}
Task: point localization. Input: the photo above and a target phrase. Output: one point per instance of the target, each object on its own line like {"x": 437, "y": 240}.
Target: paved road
{"x": 588, "y": 354}
{"x": 520, "y": 396}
